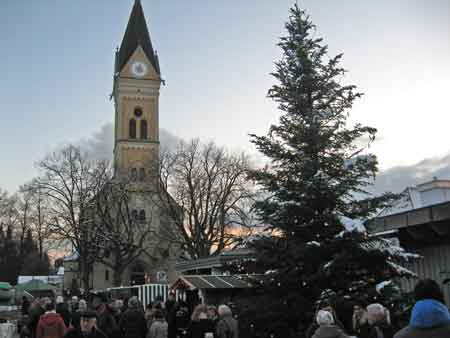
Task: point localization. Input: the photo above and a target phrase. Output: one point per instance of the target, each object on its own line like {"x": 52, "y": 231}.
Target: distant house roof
{"x": 72, "y": 257}
{"x": 420, "y": 196}
{"x": 193, "y": 282}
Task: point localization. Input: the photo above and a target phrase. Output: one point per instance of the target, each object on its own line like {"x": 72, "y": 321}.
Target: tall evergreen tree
{"x": 9, "y": 260}
{"x": 33, "y": 263}
{"x": 316, "y": 182}
{"x": 29, "y": 245}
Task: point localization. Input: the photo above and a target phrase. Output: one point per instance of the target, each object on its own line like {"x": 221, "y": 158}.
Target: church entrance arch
{"x": 137, "y": 276}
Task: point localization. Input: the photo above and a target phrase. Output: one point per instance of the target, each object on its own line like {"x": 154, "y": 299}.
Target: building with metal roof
{"x": 420, "y": 220}
{"x": 213, "y": 265}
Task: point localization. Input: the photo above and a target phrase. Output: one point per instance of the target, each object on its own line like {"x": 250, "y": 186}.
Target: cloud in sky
{"x": 396, "y": 179}
{"x": 100, "y": 146}
{"x": 101, "y": 143}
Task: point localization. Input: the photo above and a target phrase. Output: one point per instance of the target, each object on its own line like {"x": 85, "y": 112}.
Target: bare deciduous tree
{"x": 70, "y": 181}
{"x": 207, "y": 197}
{"x": 9, "y": 216}
{"x": 34, "y": 206}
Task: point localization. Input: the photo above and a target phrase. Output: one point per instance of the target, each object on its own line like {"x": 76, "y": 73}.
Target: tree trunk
{"x": 118, "y": 267}
{"x": 85, "y": 270}
{"x": 117, "y": 276}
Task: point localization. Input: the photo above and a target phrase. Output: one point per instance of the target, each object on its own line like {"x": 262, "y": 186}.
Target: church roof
{"x": 136, "y": 34}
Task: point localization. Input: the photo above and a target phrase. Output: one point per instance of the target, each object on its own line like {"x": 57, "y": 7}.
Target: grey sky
{"x": 216, "y": 57}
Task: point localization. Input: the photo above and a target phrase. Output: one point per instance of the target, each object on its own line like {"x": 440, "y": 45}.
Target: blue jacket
{"x": 429, "y": 319}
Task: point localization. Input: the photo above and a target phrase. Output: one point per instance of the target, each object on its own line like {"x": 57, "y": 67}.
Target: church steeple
{"x": 137, "y": 81}
{"x": 136, "y": 34}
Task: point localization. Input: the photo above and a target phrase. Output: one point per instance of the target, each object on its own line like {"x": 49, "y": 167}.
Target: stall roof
{"x": 211, "y": 282}
{"x": 214, "y": 261}
{"x": 5, "y": 286}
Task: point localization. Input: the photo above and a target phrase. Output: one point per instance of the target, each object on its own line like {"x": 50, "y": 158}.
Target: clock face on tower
{"x": 139, "y": 69}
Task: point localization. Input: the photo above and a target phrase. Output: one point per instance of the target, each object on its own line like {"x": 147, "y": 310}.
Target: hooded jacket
{"x": 51, "y": 325}
{"x": 429, "y": 319}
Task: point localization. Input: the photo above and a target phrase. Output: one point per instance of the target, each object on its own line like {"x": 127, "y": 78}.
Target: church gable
{"x": 138, "y": 57}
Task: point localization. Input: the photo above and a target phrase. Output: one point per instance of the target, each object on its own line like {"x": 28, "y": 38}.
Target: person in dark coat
{"x": 200, "y": 324}
{"x": 170, "y": 303}
{"x": 36, "y": 311}
{"x": 227, "y": 326}
{"x": 178, "y": 319}
{"x": 25, "y": 306}
{"x": 430, "y": 317}
{"x": 87, "y": 328}
{"x": 63, "y": 309}
{"x": 116, "y": 309}
{"x": 360, "y": 325}
{"x": 132, "y": 323}
{"x": 106, "y": 321}
{"x": 76, "y": 316}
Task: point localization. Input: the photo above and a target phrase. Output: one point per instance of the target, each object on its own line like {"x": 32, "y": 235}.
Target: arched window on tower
{"x": 133, "y": 175}
{"x": 141, "y": 174}
{"x": 142, "y": 215}
{"x": 134, "y": 214}
{"x": 132, "y": 128}
{"x": 144, "y": 129}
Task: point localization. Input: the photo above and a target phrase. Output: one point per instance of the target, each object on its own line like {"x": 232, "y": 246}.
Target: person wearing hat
{"x": 327, "y": 327}
{"x": 88, "y": 327}
{"x": 326, "y": 306}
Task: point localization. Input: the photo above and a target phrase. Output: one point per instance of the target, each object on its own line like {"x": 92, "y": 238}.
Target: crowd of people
{"x": 429, "y": 318}
{"x": 125, "y": 319}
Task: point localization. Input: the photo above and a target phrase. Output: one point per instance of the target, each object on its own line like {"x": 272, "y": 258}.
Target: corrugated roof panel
{"x": 198, "y": 282}
{"x": 218, "y": 283}
{"x": 236, "y": 282}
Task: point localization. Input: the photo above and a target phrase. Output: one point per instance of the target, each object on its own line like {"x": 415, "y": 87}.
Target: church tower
{"x": 137, "y": 80}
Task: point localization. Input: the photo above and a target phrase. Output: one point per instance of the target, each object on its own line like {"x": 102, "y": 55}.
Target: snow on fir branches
{"x": 317, "y": 177}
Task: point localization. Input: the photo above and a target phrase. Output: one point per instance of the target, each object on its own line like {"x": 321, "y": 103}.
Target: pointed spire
{"x": 136, "y": 34}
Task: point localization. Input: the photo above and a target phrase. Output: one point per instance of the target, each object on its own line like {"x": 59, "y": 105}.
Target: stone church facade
{"x": 137, "y": 82}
